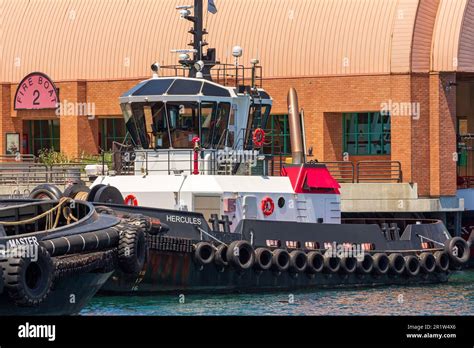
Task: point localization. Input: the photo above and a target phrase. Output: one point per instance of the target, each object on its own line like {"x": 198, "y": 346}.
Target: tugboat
{"x": 197, "y": 169}
{"x": 55, "y": 255}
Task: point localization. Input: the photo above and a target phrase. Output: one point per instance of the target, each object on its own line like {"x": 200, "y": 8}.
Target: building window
{"x": 111, "y": 129}
{"x": 43, "y": 135}
{"x": 366, "y": 133}
{"x": 279, "y": 135}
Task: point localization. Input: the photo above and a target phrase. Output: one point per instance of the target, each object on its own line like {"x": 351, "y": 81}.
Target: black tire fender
{"x": 332, "y": 263}
{"x": 263, "y": 259}
{"x": 132, "y": 250}
{"x": 442, "y": 261}
{"x": 298, "y": 261}
{"x": 397, "y": 263}
{"x": 381, "y": 263}
{"x": 46, "y": 192}
{"x": 72, "y": 190}
{"x": 315, "y": 262}
{"x": 204, "y": 253}
{"x": 28, "y": 281}
{"x": 412, "y": 265}
{"x": 427, "y": 262}
{"x": 348, "y": 264}
{"x": 241, "y": 255}
{"x": 280, "y": 260}
{"x": 458, "y": 251}
{"x": 365, "y": 265}
{"x": 220, "y": 257}
{"x": 2, "y": 282}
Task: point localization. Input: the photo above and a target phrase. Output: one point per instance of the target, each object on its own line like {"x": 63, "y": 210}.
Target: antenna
{"x": 198, "y": 42}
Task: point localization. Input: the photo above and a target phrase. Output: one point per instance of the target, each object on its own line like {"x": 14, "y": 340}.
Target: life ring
{"x": 258, "y": 137}
{"x": 131, "y": 200}
{"x": 268, "y": 206}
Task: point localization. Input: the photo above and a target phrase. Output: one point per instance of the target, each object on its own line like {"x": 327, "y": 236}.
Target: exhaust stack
{"x": 296, "y": 136}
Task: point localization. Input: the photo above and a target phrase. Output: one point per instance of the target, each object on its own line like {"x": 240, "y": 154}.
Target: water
{"x": 453, "y": 298}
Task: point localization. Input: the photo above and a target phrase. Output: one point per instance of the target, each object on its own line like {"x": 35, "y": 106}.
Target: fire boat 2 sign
{"x": 36, "y": 91}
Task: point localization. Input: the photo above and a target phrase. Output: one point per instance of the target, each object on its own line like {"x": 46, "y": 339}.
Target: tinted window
{"x": 212, "y": 90}
{"x": 185, "y": 87}
{"x": 154, "y": 87}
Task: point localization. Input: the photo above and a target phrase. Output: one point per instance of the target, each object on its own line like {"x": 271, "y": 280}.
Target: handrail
{"x": 342, "y": 171}
{"x": 379, "y": 171}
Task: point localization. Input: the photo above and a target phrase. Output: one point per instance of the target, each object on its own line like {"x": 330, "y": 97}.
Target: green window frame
{"x": 366, "y": 133}
{"x": 111, "y": 129}
{"x": 44, "y": 134}
{"x": 279, "y": 134}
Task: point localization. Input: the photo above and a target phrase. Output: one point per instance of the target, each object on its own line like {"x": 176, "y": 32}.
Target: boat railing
{"x": 187, "y": 161}
{"x": 32, "y": 174}
{"x": 225, "y": 74}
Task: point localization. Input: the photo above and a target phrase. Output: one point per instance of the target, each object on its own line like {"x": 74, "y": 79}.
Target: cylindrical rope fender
{"x": 91, "y": 241}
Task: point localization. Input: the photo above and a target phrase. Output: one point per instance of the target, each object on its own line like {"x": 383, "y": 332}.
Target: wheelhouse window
{"x": 258, "y": 118}
{"x": 367, "y": 133}
{"x": 175, "y": 124}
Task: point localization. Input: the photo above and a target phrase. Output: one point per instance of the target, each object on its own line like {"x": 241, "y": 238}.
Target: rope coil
{"x": 52, "y": 220}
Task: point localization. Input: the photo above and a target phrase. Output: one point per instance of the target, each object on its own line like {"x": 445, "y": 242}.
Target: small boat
{"x": 56, "y": 254}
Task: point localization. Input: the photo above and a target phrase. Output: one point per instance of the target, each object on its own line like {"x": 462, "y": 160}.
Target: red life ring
{"x": 258, "y": 137}
{"x": 268, "y": 206}
{"x": 131, "y": 200}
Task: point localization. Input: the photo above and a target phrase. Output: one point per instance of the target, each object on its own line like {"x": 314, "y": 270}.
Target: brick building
{"x": 348, "y": 61}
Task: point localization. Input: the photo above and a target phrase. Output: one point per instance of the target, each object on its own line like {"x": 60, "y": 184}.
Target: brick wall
{"x": 424, "y": 144}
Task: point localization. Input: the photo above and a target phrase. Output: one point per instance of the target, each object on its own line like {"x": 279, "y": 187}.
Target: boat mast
{"x": 198, "y": 43}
